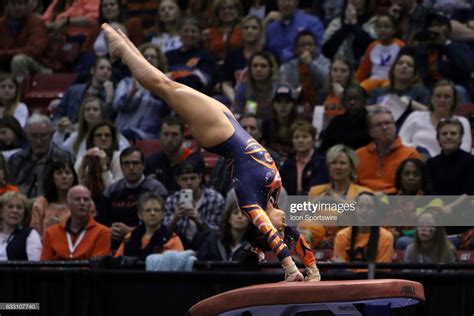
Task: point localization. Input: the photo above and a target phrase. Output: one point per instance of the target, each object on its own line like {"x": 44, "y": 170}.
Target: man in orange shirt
{"x": 379, "y": 160}
{"x": 80, "y": 237}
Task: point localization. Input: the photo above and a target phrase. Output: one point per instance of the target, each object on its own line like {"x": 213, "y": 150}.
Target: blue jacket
{"x": 280, "y": 35}
{"x": 142, "y": 113}
{"x": 72, "y": 100}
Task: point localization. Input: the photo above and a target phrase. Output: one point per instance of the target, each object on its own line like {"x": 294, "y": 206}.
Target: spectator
{"x": 405, "y": 92}
{"x": 192, "y": 64}
{"x": 10, "y": 104}
{"x": 364, "y": 243}
{"x": 28, "y": 165}
{"x": 308, "y": 71}
{"x": 17, "y": 240}
{"x": 24, "y": 40}
{"x": 411, "y": 183}
{"x": 276, "y": 130}
{"x": 5, "y": 186}
{"x": 229, "y": 242}
{"x": 111, "y": 11}
{"x": 438, "y": 57}
{"x": 151, "y": 236}
{"x": 202, "y": 215}
{"x": 451, "y": 171}
{"x": 379, "y": 56}
{"x": 140, "y": 112}
{"x": 380, "y": 159}
{"x": 340, "y": 77}
{"x": 342, "y": 165}
{"x": 287, "y": 22}
{"x": 73, "y": 18}
{"x": 79, "y": 237}
{"x": 431, "y": 244}
{"x": 118, "y": 210}
{"x": 100, "y": 166}
{"x": 201, "y": 9}
{"x": 167, "y": 25}
{"x": 349, "y": 128}
{"x": 92, "y": 111}
{"x": 12, "y": 137}
{"x": 225, "y": 32}
{"x": 236, "y": 60}
{"x": 350, "y": 34}
{"x": 145, "y": 10}
{"x": 51, "y": 208}
{"x": 411, "y": 17}
{"x": 254, "y": 95}
{"x": 306, "y": 167}
{"x": 162, "y": 165}
{"x": 99, "y": 86}
{"x": 419, "y": 128}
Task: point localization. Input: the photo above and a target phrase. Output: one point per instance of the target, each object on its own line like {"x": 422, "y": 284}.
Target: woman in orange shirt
{"x": 225, "y": 35}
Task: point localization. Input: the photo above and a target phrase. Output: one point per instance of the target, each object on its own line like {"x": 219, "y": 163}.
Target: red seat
{"x": 149, "y": 147}
{"x": 465, "y": 256}
{"x": 210, "y": 160}
{"x": 398, "y": 256}
{"x": 42, "y": 89}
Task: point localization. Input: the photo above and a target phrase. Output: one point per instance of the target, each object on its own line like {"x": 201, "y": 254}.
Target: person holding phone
{"x": 193, "y": 208}
{"x": 254, "y": 173}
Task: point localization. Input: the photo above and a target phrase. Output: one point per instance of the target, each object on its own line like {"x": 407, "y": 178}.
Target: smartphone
{"x": 186, "y": 197}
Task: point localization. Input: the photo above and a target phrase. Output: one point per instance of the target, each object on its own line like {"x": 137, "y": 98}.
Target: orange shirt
{"x": 342, "y": 245}
{"x": 379, "y": 175}
{"x": 95, "y": 243}
{"x": 216, "y": 43}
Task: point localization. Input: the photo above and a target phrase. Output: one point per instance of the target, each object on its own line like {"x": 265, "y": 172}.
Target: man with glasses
{"x": 28, "y": 166}
{"x": 379, "y": 160}
{"x": 119, "y": 208}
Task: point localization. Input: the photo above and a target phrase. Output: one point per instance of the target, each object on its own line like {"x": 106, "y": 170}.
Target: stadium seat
{"x": 465, "y": 256}
{"x": 149, "y": 147}
{"x": 398, "y": 256}
{"x": 41, "y": 89}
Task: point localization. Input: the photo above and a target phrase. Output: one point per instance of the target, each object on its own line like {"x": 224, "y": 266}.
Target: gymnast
{"x": 255, "y": 177}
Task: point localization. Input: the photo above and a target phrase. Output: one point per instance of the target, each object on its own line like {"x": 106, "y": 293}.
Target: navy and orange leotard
{"x": 257, "y": 181}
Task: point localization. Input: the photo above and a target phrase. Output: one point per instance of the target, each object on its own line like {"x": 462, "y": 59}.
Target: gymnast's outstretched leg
{"x": 205, "y": 115}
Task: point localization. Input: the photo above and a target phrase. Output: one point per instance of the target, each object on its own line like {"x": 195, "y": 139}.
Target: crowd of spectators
{"x": 357, "y": 101}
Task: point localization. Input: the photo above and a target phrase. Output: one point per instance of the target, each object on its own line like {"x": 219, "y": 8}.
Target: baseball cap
{"x": 283, "y": 91}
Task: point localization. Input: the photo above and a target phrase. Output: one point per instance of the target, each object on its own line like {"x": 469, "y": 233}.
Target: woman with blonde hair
{"x": 17, "y": 240}
{"x": 342, "y": 165}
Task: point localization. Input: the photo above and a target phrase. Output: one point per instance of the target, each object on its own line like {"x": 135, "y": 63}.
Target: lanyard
{"x": 72, "y": 247}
